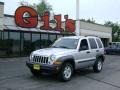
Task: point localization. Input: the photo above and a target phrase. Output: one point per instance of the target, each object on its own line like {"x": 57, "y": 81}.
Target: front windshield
{"x": 66, "y": 43}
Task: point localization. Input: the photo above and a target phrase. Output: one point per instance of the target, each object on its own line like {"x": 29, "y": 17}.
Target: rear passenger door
{"x": 93, "y": 48}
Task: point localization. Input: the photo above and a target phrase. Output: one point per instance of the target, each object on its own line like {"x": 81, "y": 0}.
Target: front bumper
{"x": 45, "y": 68}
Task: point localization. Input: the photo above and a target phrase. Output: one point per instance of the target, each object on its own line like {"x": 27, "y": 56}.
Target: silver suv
{"x": 66, "y": 55}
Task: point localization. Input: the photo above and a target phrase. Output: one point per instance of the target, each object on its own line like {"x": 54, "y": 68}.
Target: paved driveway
{"x": 14, "y": 75}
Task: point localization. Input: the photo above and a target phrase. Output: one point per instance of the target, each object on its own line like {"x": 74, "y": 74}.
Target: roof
{"x": 78, "y": 37}
{"x": 7, "y": 15}
{"x": 16, "y": 28}
{"x": 10, "y": 23}
{"x": 74, "y": 37}
{"x": 95, "y": 24}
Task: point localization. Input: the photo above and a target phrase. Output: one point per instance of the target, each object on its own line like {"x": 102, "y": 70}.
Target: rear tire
{"x": 98, "y": 65}
{"x": 66, "y": 72}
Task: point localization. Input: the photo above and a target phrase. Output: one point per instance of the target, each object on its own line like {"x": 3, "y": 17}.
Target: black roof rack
{"x": 91, "y": 35}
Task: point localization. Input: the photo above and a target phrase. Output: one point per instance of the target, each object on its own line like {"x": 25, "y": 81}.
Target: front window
{"x": 66, "y": 43}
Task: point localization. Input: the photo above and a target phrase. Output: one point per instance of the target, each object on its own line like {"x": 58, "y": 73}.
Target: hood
{"x": 51, "y": 51}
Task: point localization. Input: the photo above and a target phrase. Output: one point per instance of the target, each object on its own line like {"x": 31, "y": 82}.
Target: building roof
{"x": 9, "y": 23}
{"x": 7, "y": 15}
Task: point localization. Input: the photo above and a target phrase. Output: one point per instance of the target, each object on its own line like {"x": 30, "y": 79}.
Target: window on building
{"x": 44, "y": 40}
{"x": 59, "y": 36}
{"x": 36, "y": 41}
{"x": 52, "y": 38}
{"x": 4, "y": 44}
{"x": 93, "y": 44}
{"x": 0, "y": 39}
{"x": 5, "y": 35}
{"x": 0, "y": 35}
{"x": 14, "y": 43}
{"x": 27, "y": 44}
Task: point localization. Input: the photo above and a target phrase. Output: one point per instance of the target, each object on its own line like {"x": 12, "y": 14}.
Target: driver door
{"x": 84, "y": 54}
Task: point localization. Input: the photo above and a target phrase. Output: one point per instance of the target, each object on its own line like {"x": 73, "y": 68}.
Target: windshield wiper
{"x": 54, "y": 47}
{"x": 60, "y": 47}
{"x": 64, "y": 47}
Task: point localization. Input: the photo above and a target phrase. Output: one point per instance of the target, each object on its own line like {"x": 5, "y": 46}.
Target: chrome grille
{"x": 40, "y": 59}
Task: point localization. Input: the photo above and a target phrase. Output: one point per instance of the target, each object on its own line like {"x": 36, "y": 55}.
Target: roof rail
{"x": 91, "y": 35}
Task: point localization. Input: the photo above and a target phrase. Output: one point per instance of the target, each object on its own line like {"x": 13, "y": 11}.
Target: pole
{"x": 77, "y": 19}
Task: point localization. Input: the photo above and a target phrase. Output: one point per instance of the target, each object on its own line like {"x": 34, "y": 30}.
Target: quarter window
{"x": 93, "y": 44}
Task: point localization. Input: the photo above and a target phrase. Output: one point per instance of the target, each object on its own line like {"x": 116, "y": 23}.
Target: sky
{"x": 99, "y": 10}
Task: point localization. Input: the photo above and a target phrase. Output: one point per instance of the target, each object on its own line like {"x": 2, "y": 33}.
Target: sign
{"x": 32, "y": 20}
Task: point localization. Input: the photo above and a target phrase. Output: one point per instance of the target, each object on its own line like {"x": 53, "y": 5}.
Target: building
{"x": 105, "y": 33}
{"x": 17, "y": 41}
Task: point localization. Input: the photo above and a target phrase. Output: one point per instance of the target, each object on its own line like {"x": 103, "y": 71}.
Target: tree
{"x": 41, "y": 7}
{"x": 89, "y": 20}
{"x": 115, "y": 30}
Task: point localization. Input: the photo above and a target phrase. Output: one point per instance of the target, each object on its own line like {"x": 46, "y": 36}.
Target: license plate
{"x": 36, "y": 66}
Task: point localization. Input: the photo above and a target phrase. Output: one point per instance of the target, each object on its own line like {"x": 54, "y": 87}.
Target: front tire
{"x": 66, "y": 72}
{"x": 98, "y": 65}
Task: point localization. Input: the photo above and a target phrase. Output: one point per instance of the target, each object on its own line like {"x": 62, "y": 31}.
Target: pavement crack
{"x": 102, "y": 81}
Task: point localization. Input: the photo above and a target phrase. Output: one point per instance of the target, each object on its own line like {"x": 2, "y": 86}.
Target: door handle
{"x": 88, "y": 52}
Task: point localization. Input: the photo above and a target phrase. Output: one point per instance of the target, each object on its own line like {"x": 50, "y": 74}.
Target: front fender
{"x": 69, "y": 59}
{"x": 66, "y": 58}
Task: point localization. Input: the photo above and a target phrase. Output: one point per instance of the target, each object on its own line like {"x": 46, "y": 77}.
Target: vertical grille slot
{"x": 40, "y": 59}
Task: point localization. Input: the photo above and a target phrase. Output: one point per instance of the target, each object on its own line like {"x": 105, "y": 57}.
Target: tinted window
{"x": 52, "y": 38}
{"x": 93, "y": 44}
{"x": 99, "y": 43}
{"x": 36, "y": 41}
{"x": 44, "y": 40}
{"x": 14, "y": 44}
{"x": 0, "y": 35}
{"x": 84, "y": 45}
{"x": 59, "y": 36}
{"x": 27, "y": 44}
{"x": 66, "y": 43}
{"x": 4, "y": 44}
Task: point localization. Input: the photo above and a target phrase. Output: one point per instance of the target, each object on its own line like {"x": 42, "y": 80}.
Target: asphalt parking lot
{"x": 14, "y": 75}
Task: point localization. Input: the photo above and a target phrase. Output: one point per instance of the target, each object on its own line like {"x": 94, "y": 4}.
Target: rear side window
{"x": 99, "y": 43}
{"x": 93, "y": 44}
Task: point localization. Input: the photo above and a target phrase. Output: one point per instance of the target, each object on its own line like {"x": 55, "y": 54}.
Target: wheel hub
{"x": 99, "y": 65}
{"x": 67, "y": 72}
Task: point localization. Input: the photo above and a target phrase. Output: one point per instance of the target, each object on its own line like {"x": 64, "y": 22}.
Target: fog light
{"x": 57, "y": 62}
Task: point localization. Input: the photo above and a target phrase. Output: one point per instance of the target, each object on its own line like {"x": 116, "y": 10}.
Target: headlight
{"x": 52, "y": 59}
{"x": 31, "y": 56}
